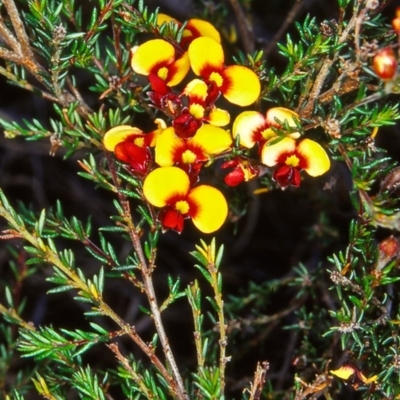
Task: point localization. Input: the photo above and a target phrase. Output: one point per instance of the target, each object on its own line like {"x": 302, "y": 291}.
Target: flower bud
{"x": 385, "y": 64}
{"x": 396, "y": 21}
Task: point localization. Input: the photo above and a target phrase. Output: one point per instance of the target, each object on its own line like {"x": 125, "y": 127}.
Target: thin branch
{"x": 23, "y": 50}
{"x": 146, "y": 272}
{"x": 26, "y": 85}
{"x": 19, "y": 29}
{"x": 135, "y": 376}
{"x": 151, "y": 295}
{"x": 259, "y": 380}
{"x": 12, "y": 314}
{"x": 222, "y": 327}
{"x": 288, "y": 20}
{"x": 147, "y": 349}
{"x": 245, "y": 27}
{"x": 83, "y": 107}
{"x": 9, "y": 38}
{"x": 9, "y": 55}
{"x": 324, "y": 71}
{"x": 51, "y": 257}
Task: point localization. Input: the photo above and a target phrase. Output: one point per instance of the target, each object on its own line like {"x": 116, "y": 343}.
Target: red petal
{"x": 171, "y": 219}
{"x": 137, "y": 157}
{"x": 158, "y": 85}
{"x": 287, "y": 175}
{"x": 235, "y": 177}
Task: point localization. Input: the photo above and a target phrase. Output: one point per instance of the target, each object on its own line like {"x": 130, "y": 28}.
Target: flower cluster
{"x": 170, "y": 158}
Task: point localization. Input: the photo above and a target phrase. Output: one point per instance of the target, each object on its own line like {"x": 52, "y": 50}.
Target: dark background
{"x": 270, "y": 238}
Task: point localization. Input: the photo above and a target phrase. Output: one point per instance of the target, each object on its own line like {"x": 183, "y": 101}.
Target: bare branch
{"x": 259, "y": 380}
{"x": 288, "y": 20}
{"x": 245, "y": 27}
{"x": 9, "y": 38}
{"x": 9, "y": 55}
{"x": 19, "y": 28}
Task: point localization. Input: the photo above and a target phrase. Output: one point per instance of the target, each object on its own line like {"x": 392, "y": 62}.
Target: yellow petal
{"x": 205, "y": 55}
{"x": 317, "y": 160}
{"x": 282, "y": 114}
{"x": 118, "y": 134}
{"x": 178, "y": 70}
{"x": 161, "y": 126}
{"x": 212, "y": 139}
{"x": 243, "y": 86}
{"x": 196, "y": 88}
{"x": 164, "y": 183}
{"x": 219, "y": 117}
{"x": 344, "y": 372}
{"x": 212, "y": 208}
{"x": 203, "y": 28}
{"x": 161, "y": 18}
{"x": 246, "y": 123}
{"x": 150, "y": 54}
{"x": 271, "y": 152}
{"x": 369, "y": 380}
{"x": 167, "y": 141}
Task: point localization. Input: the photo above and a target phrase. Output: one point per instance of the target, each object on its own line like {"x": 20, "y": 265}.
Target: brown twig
{"x": 135, "y": 376}
{"x": 21, "y": 53}
{"x": 23, "y": 50}
{"x": 146, "y": 271}
{"x": 259, "y": 380}
{"x": 288, "y": 20}
{"x": 325, "y": 68}
{"x": 8, "y": 37}
{"x": 245, "y": 27}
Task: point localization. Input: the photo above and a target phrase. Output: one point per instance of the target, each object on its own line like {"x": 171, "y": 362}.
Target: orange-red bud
{"x": 396, "y": 21}
{"x": 385, "y": 64}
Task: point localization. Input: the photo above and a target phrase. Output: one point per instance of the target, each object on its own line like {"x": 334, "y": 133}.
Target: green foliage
{"x": 337, "y": 311}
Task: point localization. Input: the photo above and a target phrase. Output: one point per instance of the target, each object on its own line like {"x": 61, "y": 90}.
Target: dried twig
{"x": 245, "y": 27}
{"x": 288, "y": 20}
{"x": 259, "y": 380}
{"x": 325, "y": 68}
{"x": 20, "y": 44}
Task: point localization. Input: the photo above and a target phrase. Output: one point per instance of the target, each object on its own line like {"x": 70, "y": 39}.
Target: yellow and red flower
{"x": 200, "y": 108}
{"x": 291, "y": 157}
{"x": 238, "y": 84}
{"x": 158, "y": 60}
{"x": 242, "y": 171}
{"x": 201, "y": 104}
{"x": 132, "y": 146}
{"x": 351, "y": 373}
{"x": 191, "y": 154}
{"x": 169, "y": 188}
{"x": 253, "y": 127}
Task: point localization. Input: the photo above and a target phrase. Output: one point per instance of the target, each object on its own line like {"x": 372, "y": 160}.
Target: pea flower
{"x": 191, "y": 154}
{"x": 169, "y": 189}
{"x": 201, "y": 104}
{"x": 253, "y": 127}
{"x": 291, "y": 157}
{"x": 158, "y": 60}
{"x": 242, "y": 171}
{"x": 200, "y": 108}
{"x": 348, "y": 371}
{"x": 132, "y": 146}
{"x": 238, "y": 84}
